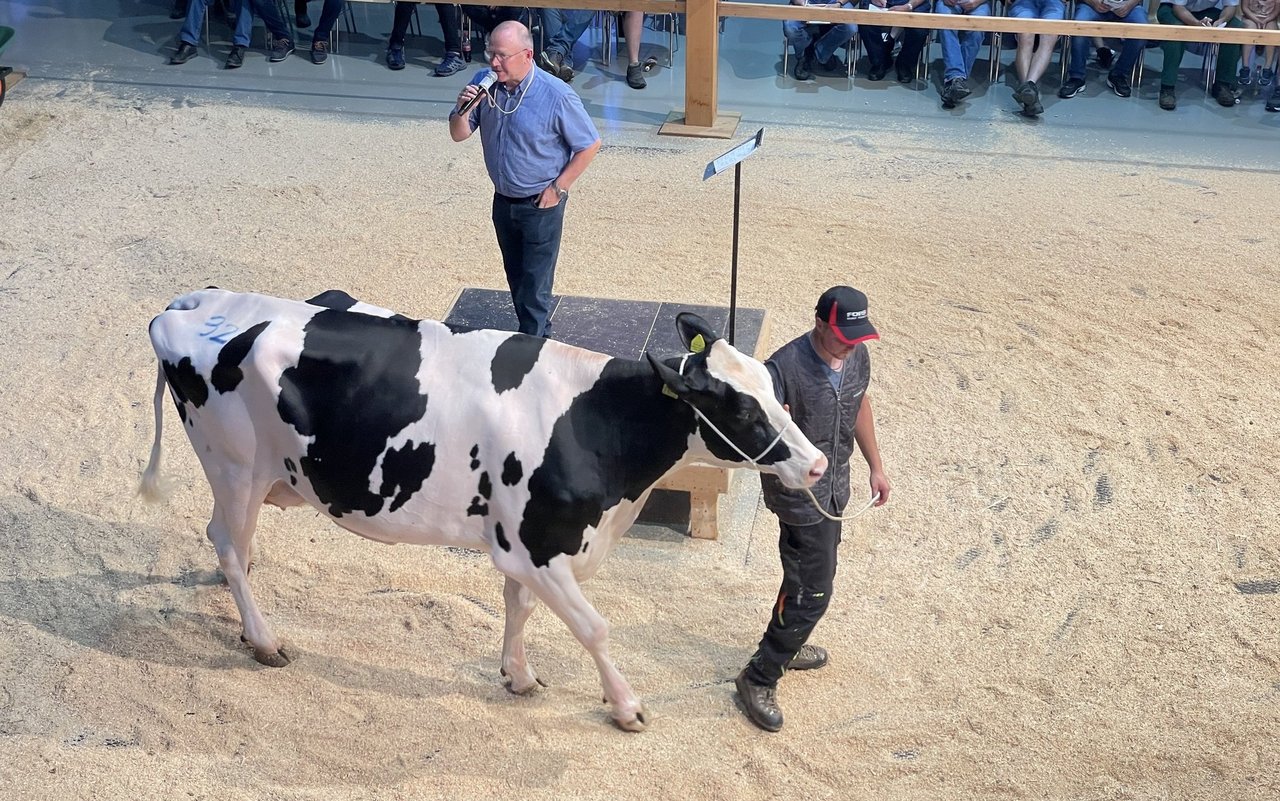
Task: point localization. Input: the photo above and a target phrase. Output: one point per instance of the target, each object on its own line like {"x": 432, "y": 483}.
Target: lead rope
{"x": 756, "y": 461}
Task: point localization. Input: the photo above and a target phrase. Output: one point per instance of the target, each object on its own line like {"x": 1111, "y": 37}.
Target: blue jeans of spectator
{"x": 529, "y": 238}
{"x": 826, "y": 39}
{"x": 959, "y": 48}
{"x": 1038, "y": 9}
{"x": 450, "y": 25}
{"x": 1129, "y": 52}
{"x": 266, "y": 9}
{"x": 562, "y": 28}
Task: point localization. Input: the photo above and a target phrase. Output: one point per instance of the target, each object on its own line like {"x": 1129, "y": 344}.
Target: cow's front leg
{"x": 557, "y": 587}
{"x": 520, "y": 602}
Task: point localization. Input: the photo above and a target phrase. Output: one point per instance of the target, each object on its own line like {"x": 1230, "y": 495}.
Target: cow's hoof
{"x": 277, "y": 659}
{"x": 634, "y": 724}
{"x": 522, "y": 689}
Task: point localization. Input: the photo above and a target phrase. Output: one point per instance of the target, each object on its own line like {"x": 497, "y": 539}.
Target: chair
{"x": 851, "y": 51}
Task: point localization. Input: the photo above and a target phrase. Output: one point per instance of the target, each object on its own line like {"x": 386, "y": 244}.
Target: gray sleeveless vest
{"x": 826, "y": 418}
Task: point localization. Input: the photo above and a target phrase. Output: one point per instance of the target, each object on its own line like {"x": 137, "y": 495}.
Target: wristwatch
{"x": 563, "y": 193}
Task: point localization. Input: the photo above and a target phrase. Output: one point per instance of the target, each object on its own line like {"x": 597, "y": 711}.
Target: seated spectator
{"x": 450, "y": 28}
{"x": 190, "y": 33}
{"x": 878, "y": 43}
{"x": 1259, "y": 15}
{"x": 486, "y": 18}
{"x": 320, "y": 37}
{"x": 561, "y": 30}
{"x": 959, "y": 49}
{"x": 815, "y": 43}
{"x": 1118, "y": 77}
{"x": 1202, "y": 13}
{"x": 1034, "y": 51}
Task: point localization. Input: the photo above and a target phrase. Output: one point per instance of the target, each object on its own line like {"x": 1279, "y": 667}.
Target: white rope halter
{"x": 756, "y": 461}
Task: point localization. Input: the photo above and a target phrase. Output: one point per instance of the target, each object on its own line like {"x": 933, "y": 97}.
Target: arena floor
{"x": 1072, "y": 594}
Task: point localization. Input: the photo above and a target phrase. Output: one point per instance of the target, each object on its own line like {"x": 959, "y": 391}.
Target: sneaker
{"x": 1245, "y": 77}
{"x": 760, "y": 703}
{"x": 1071, "y": 88}
{"x": 280, "y": 50}
{"x": 1120, "y": 85}
{"x": 1223, "y": 94}
{"x": 1267, "y": 77}
{"x": 183, "y": 54}
{"x": 1273, "y": 102}
{"x": 319, "y": 51}
{"x": 1026, "y": 94}
{"x": 809, "y": 657}
{"x": 451, "y": 64}
{"x": 804, "y": 65}
{"x": 1105, "y": 57}
{"x": 235, "y": 59}
{"x": 958, "y": 89}
{"x": 395, "y": 57}
{"x": 832, "y": 66}
{"x": 1168, "y": 100}
{"x": 550, "y": 61}
{"x": 635, "y": 76}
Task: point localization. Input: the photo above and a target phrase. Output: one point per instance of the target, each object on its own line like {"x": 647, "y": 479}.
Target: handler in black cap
{"x": 822, "y": 377}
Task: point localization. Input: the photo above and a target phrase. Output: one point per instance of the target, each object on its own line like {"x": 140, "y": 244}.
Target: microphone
{"x": 489, "y": 79}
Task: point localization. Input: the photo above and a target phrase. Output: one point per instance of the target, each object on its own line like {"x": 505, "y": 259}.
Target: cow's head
{"x": 740, "y": 421}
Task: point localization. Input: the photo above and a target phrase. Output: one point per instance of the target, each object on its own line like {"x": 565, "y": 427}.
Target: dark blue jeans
{"x": 266, "y": 9}
{"x": 808, "y": 575}
{"x": 328, "y": 16}
{"x": 529, "y": 238}
{"x": 562, "y": 28}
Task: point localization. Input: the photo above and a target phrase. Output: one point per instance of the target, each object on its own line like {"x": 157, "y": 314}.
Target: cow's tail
{"x": 153, "y": 487}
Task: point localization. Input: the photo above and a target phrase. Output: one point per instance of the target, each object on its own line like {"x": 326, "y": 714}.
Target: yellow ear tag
{"x": 669, "y": 392}
{"x": 698, "y": 344}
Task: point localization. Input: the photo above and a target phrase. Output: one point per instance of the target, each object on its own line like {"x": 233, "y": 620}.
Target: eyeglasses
{"x": 490, "y": 56}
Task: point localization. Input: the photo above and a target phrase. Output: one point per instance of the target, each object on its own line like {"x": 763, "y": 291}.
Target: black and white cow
{"x": 539, "y": 453}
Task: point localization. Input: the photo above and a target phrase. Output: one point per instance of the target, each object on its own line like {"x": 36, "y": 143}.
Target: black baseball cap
{"x": 845, "y": 310}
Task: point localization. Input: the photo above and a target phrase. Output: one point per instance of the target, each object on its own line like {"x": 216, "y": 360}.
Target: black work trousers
{"x": 808, "y": 574}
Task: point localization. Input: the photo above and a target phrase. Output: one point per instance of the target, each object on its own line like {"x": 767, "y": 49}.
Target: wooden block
{"x": 723, "y": 128}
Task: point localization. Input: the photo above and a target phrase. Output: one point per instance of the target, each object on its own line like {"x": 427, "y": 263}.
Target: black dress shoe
{"x": 235, "y": 58}
{"x": 761, "y": 703}
{"x": 183, "y": 54}
{"x": 877, "y": 73}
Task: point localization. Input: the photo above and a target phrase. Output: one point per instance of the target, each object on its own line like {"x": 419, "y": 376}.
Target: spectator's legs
{"x": 270, "y": 16}
{"x": 1228, "y": 57}
{"x": 450, "y": 25}
{"x": 1080, "y": 44}
{"x": 244, "y": 23}
{"x": 191, "y": 26}
{"x": 328, "y": 17}
{"x": 877, "y": 49}
{"x": 1130, "y": 49}
{"x": 798, "y": 36}
{"x": 400, "y": 25}
{"x": 971, "y": 42}
{"x": 633, "y": 29}
{"x": 953, "y": 60}
{"x": 833, "y": 39}
{"x": 1172, "y": 50}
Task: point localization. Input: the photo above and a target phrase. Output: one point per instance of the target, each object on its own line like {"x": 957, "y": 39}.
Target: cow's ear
{"x": 673, "y": 384}
{"x": 695, "y": 333}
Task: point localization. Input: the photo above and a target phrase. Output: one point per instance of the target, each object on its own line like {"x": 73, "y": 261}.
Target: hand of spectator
{"x": 902, "y": 7}
{"x": 879, "y": 3}
{"x": 970, "y": 5}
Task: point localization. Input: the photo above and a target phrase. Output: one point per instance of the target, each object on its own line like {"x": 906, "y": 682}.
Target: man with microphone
{"x": 537, "y": 140}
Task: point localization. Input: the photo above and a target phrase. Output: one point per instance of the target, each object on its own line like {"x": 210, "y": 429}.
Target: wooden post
{"x": 700, "y": 116}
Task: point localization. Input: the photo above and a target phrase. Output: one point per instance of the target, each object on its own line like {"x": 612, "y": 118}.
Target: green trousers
{"x": 1228, "y": 54}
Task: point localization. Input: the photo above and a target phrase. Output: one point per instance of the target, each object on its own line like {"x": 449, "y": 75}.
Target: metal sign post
{"x": 734, "y": 158}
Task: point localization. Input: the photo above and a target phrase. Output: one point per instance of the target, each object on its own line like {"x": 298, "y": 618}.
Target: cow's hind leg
{"x": 235, "y": 517}
{"x": 520, "y": 602}
{"x": 556, "y": 587}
